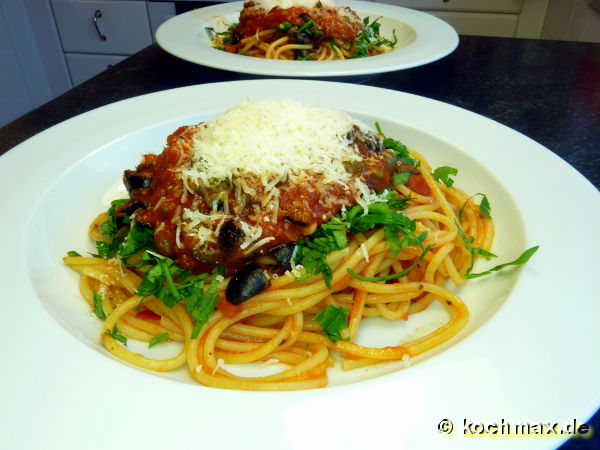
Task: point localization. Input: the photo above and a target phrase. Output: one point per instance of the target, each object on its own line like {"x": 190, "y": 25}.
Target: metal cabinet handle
{"x": 97, "y": 15}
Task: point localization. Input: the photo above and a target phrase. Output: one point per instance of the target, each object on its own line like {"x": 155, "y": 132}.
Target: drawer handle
{"x": 97, "y": 15}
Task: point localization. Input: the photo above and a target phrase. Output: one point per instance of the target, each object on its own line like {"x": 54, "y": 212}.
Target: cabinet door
{"x": 108, "y": 27}
{"x": 84, "y": 67}
{"x": 14, "y": 95}
{"x": 480, "y": 24}
{"x": 159, "y": 12}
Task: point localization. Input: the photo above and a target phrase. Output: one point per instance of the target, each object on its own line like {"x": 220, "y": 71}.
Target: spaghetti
{"x": 385, "y": 254}
{"x": 302, "y": 30}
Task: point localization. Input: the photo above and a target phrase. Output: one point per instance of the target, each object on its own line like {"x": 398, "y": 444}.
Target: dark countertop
{"x": 547, "y": 90}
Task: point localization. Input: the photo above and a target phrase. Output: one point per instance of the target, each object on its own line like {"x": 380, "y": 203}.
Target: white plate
{"x": 527, "y": 355}
{"x": 422, "y": 38}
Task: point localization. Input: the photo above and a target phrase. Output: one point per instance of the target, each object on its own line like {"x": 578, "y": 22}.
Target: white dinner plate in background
{"x": 422, "y": 38}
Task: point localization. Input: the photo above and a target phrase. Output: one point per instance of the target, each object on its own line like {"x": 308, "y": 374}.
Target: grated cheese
{"x": 202, "y": 224}
{"x": 273, "y": 140}
{"x": 258, "y": 244}
{"x": 365, "y": 252}
{"x": 251, "y": 234}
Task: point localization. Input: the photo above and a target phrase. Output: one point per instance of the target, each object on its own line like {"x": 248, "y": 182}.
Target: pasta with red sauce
{"x": 262, "y": 237}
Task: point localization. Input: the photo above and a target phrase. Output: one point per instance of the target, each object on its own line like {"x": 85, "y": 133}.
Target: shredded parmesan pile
{"x": 273, "y": 140}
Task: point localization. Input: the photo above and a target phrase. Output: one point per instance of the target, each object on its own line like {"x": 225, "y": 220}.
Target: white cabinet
{"x": 83, "y": 66}
{"x": 504, "y": 18}
{"x": 32, "y": 65}
{"x": 573, "y": 20}
{"x": 105, "y": 27}
{"x": 98, "y": 33}
{"x": 14, "y": 95}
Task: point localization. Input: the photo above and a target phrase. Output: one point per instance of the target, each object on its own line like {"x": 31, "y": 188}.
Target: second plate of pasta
{"x": 420, "y": 39}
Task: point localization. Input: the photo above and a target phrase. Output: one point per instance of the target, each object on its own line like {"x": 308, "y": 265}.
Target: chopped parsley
{"x": 125, "y": 240}
{"x": 284, "y": 26}
{"x": 444, "y": 173}
{"x": 333, "y": 319}
{"x": 401, "y": 178}
{"x": 484, "y": 206}
{"x": 398, "y": 230}
{"x": 312, "y": 251}
{"x": 137, "y": 238}
{"x": 399, "y": 149}
{"x": 157, "y": 339}
{"x": 97, "y": 298}
{"x": 477, "y": 251}
{"x": 522, "y": 259}
{"x": 163, "y": 279}
{"x": 172, "y": 284}
{"x": 225, "y": 37}
{"x": 116, "y": 336}
{"x": 369, "y": 39}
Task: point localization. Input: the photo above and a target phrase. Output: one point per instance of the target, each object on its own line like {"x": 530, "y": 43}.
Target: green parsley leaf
{"x": 399, "y": 230}
{"x": 284, "y": 26}
{"x": 152, "y": 282}
{"x": 369, "y": 39}
{"x": 109, "y": 227}
{"x": 484, "y": 206}
{"x": 172, "y": 284}
{"x": 108, "y": 249}
{"x": 168, "y": 270}
{"x": 399, "y": 149}
{"x": 309, "y": 57}
{"x": 401, "y": 178}
{"x": 115, "y": 335}
{"x": 522, "y": 259}
{"x": 333, "y": 319}
{"x": 201, "y": 303}
{"x": 476, "y": 251}
{"x": 137, "y": 238}
{"x": 444, "y": 173}
{"x": 98, "y": 306}
{"x": 158, "y": 338}
{"x": 395, "y": 201}
{"x": 307, "y": 27}
{"x": 312, "y": 251}
{"x": 73, "y": 253}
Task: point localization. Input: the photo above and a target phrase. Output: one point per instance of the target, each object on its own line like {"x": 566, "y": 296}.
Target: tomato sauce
{"x": 302, "y": 206}
{"x": 341, "y": 27}
{"x": 417, "y": 183}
